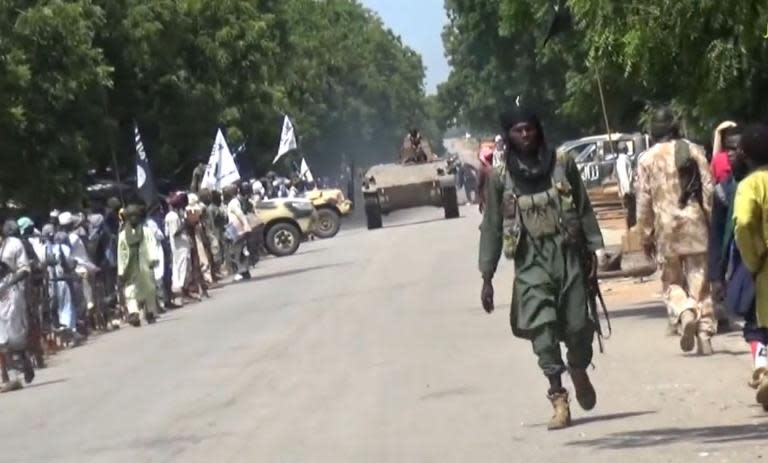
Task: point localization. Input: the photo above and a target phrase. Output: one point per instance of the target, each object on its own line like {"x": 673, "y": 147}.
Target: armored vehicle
{"x": 408, "y": 184}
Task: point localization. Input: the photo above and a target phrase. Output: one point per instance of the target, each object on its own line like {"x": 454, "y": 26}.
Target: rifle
{"x": 595, "y": 296}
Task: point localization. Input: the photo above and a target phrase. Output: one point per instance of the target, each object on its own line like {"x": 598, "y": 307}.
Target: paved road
{"x": 372, "y": 347}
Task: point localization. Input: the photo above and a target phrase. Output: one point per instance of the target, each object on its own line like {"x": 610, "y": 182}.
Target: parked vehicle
{"x": 286, "y": 222}
{"x": 331, "y": 206}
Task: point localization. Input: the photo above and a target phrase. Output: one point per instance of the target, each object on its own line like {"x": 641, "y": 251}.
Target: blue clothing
{"x": 721, "y": 229}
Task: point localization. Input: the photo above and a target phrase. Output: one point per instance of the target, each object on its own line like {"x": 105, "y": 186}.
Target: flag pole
{"x": 218, "y": 168}
{"x": 117, "y": 174}
{"x": 605, "y": 111}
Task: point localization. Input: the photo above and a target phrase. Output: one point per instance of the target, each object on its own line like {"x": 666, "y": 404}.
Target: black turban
{"x": 516, "y": 116}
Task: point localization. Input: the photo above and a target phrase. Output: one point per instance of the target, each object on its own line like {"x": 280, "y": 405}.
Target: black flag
{"x": 145, "y": 181}
{"x": 562, "y": 21}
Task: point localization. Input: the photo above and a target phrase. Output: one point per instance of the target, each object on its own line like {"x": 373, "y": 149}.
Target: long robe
{"x": 60, "y": 283}
{"x": 181, "y": 247}
{"x": 137, "y": 268}
{"x": 13, "y": 309}
{"x": 550, "y": 284}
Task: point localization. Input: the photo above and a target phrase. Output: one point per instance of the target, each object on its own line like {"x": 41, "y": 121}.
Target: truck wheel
{"x": 283, "y": 239}
{"x": 328, "y": 223}
{"x": 372, "y": 212}
{"x": 450, "y": 203}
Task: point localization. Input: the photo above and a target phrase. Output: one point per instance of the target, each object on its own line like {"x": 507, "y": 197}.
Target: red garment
{"x": 486, "y": 156}
{"x": 721, "y": 166}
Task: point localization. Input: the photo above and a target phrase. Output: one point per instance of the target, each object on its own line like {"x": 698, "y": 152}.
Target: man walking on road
{"x": 674, "y": 202}
{"x": 539, "y": 215}
{"x": 136, "y": 261}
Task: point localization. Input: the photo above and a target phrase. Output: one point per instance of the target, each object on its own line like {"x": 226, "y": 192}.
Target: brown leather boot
{"x": 585, "y": 392}
{"x": 688, "y": 328}
{"x": 562, "y": 417}
{"x": 757, "y": 377}
{"x": 761, "y": 396}
{"x": 704, "y": 344}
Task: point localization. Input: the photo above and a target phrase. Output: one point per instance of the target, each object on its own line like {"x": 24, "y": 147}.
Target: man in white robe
{"x": 14, "y": 270}
{"x": 181, "y": 245}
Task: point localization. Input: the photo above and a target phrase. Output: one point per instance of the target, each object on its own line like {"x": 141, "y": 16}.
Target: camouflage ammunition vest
{"x": 541, "y": 215}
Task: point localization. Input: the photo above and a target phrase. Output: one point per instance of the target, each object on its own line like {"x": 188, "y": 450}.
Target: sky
{"x": 419, "y": 23}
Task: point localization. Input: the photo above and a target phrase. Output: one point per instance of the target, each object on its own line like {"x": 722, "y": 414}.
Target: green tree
{"x": 707, "y": 58}
{"x": 51, "y": 81}
{"x": 75, "y": 75}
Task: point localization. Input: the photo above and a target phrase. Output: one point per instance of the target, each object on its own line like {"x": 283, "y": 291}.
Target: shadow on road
{"x": 733, "y": 353}
{"x": 666, "y": 436}
{"x": 294, "y": 272}
{"x": 420, "y": 222}
{"x": 45, "y": 383}
{"x": 648, "y": 310}
{"x": 611, "y": 417}
{"x": 310, "y": 250}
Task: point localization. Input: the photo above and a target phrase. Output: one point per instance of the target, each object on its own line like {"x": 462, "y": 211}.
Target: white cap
{"x": 65, "y": 218}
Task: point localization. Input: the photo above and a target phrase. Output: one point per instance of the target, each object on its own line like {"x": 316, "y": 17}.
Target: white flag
{"x": 287, "y": 139}
{"x": 305, "y": 173}
{"x": 221, "y": 170}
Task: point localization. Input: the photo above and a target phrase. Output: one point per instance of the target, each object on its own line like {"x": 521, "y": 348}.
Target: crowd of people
{"x": 80, "y": 271}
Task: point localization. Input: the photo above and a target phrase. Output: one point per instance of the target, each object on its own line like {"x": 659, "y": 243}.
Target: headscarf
{"x": 24, "y": 224}
{"x": 133, "y": 235}
{"x": 178, "y": 200}
{"x": 531, "y": 174}
{"x": 516, "y": 116}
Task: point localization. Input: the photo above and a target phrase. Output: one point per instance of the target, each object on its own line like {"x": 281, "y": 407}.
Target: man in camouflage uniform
{"x": 538, "y": 213}
{"x": 674, "y": 201}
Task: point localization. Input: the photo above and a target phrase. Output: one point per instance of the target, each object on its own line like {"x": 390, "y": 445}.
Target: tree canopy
{"x": 705, "y": 58}
{"x": 75, "y": 75}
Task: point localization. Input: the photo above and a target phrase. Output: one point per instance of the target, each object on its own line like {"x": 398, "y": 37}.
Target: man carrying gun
{"x": 539, "y": 215}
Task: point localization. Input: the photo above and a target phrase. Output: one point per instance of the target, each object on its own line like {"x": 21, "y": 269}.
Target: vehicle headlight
{"x": 301, "y": 205}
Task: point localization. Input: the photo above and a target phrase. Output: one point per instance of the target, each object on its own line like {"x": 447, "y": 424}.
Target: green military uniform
{"x": 527, "y": 216}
